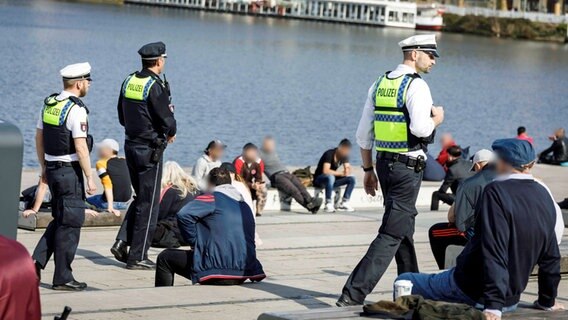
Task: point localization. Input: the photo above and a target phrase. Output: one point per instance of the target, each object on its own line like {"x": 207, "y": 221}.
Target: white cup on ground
{"x": 402, "y": 288}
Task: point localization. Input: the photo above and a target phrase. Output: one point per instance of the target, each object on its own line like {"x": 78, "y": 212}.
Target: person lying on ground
{"x": 516, "y": 228}
{"x": 251, "y": 168}
{"x": 459, "y": 169}
{"x": 219, "y": 226}
{"x": 329, "y": 177}
{"x": 283, "y": 180}
{"x": 113, "y": 172}
{"x": 461, "y": 219}
{"x": 557, "y": 153}
{"x": 41, "y": 191}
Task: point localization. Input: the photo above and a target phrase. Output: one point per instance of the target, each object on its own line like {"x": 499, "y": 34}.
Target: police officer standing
{"x": 145, "y": 111}
{"x": 400, "y": 119}
{"x": 63, "y": 145}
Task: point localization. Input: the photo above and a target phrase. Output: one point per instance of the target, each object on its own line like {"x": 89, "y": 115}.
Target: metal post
{"x": 11, "y": 148}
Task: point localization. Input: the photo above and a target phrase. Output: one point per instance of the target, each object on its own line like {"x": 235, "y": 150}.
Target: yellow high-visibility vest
{"x": 137, "y": 88}
{"x": 391, "y": 123}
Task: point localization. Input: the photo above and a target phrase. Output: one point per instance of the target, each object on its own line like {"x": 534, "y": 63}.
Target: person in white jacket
{"x": 210, "y": 159}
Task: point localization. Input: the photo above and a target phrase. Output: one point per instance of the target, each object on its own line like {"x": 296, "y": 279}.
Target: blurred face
{"x": 250, "y": 155}
{"x": 446, "y": 139}
{"x": 105, "y": 152}
{"x": 424, "y": 61}
{"x": 343, "y": 152}
{"x": 269, "y": 145}
{"x": 502, "y": 167}
{"x": 216, "y": 152}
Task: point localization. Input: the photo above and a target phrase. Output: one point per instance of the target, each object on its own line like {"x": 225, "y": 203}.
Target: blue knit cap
{"x": 515, "y": 152}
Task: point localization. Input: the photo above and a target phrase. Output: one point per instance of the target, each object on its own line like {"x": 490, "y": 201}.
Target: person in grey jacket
{"x": 210, "y": 159}
{"x": 283, "y": 180}
{"x": 458, "y": 170}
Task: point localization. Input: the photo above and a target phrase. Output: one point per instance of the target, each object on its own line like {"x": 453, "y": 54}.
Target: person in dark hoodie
{"x": 516, "y": 228}
{"x": 458, "y": 171}
{"x": 219, "y": 226}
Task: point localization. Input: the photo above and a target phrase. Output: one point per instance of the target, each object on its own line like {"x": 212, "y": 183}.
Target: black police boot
{"x": 119, "y": 250}
{"x": 345, "y": 301}
{"x": 146, "y": 264}
{"x": 70, "y": 286}
{"x": 314, "y": 205}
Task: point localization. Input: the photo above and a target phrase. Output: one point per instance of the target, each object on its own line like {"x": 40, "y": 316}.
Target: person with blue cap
{"x": 147, "y": 115}
{"x": 518, "y": 225}
{"x": 63, "y": 145}
{"x": 399, "y": 118}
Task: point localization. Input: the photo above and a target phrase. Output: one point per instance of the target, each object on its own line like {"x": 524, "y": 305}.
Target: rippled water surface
{"x": 238, "y": 78}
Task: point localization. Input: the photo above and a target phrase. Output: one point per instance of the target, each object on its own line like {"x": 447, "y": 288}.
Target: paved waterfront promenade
{"x": 307, "y": 259}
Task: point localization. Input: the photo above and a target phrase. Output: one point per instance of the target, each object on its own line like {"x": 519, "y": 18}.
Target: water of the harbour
{"x": 239, "y": 78}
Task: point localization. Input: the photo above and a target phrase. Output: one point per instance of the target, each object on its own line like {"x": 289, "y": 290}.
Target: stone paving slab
{"x": 307, "y": 259}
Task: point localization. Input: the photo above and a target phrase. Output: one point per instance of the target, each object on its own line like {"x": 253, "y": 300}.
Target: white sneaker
{"x": 329, "y": 207}
{"x": 345, "y": 206}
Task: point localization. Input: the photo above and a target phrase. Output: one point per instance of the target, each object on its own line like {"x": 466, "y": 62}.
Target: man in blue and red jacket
{"x": 220, "y": 227}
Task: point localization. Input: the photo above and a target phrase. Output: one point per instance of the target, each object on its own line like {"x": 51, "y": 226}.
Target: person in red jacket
{"x": 446, "y": 141}
{"x": 19, "y": 292}
{"x": 251, "y": 168}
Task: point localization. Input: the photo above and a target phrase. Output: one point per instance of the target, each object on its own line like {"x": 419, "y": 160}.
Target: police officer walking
{"x": 63, "y": 145}
{"x": 145, "y": 111}
{"x": 400, "y": 119}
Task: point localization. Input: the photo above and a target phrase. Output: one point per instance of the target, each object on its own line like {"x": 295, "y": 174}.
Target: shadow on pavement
{"x": 306, "y": 298}
{"x": 98, "y": 258}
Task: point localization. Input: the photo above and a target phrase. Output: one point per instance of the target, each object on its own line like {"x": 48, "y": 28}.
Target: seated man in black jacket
{"x": 516, "y": 228}
{"x": 559, "y": 149}
{"x": 459, "y": 227}
{"x": 459, "y": 169}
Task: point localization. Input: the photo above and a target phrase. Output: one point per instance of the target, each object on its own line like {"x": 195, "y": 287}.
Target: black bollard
{"x": 11, "y": 149}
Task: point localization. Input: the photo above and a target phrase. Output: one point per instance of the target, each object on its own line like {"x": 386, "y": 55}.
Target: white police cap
{"x": 421, "y": 42}
{"x": 76, "y": 71}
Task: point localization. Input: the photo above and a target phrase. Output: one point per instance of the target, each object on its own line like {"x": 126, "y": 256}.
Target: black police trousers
{"x": 400, "y": 186}
{"x": 61, "y": 237}
{"x": 139, "y": 224}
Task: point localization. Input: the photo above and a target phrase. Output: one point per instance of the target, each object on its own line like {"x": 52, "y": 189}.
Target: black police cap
{"x": 153, "y": 51}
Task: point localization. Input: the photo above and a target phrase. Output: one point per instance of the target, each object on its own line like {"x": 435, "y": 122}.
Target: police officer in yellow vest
{"x": 399, "y": 119}
{"x": 63, "y": 145}
{"x": 145, "y": 111}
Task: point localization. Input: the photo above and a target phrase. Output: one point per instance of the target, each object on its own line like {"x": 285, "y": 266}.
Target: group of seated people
{"x": 254, "y": 163}
{"x": 507, "y": 222}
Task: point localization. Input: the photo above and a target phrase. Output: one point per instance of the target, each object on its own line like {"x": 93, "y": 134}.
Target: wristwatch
{"x": 367, "y": 169}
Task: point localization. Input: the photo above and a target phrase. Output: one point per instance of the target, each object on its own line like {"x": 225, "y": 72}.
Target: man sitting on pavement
{"x": 558, "y": 148}
{"x": 210, "y": 159}
{"x": 219, "y": 226}
{"x": 251, "y": 168}
{"x": 458, "y": 171}
{"x": 516, "y": 228}
{"x": 328, "y": 177}
{"x": 461, "y": 219}
{"x": 113, "y": 172}
{"x": 283, "y": 180}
